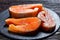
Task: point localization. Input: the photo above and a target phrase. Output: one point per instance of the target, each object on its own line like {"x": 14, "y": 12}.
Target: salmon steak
{"x": 25, "y": 10}
{"x": 48, "y": 23}
{"x": 23, "y": 25}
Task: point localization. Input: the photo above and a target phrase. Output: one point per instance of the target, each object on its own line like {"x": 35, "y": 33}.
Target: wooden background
{"x": 52, "y": 4}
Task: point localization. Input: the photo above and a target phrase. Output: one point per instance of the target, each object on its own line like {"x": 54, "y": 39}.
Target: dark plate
{"x": 3, "y": 29}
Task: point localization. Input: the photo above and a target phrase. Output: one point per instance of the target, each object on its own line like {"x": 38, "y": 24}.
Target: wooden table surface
{"x": 51, "y": 4}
